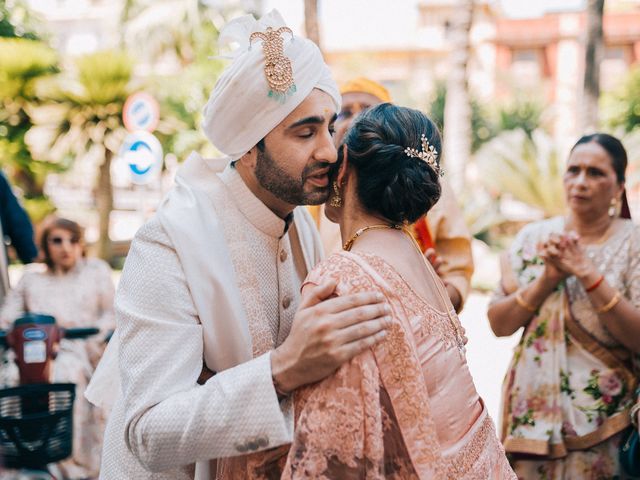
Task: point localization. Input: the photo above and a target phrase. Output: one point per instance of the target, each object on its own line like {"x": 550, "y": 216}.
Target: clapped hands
{"x": 564, "y": 256}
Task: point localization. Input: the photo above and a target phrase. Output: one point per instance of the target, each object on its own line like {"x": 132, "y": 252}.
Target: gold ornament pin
{"x": 277, "y": 66}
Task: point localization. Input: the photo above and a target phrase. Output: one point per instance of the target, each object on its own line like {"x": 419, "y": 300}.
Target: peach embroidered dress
{"x": 406, "y": 409}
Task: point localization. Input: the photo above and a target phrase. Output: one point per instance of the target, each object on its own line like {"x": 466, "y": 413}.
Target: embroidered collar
{"x": 252, "y": 208}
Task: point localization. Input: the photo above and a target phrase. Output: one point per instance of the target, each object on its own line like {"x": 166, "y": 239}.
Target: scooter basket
{"x": 36, "y": 424}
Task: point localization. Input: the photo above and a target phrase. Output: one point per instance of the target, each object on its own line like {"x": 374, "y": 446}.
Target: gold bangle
{"x": 523, "y": 303}
{"x": 612, "y": 303}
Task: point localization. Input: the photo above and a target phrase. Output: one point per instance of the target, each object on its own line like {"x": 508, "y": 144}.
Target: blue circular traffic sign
{"x": 142, "y": 152}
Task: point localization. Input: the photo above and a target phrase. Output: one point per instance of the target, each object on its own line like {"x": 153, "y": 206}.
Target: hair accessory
{"x": 277, "y": 67}
{"x": 429, "y": 154}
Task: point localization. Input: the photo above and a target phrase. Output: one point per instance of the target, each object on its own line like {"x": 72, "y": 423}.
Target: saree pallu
{"x": 375, "y": 417}
{"x": 567, "y": 394}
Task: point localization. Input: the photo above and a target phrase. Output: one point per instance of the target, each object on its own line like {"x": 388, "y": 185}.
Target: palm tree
{"x": 526, "y": 167}
{"x": 457, "y": 113}
{"x": 17, "y": 20}
{"x": 24, "y": 64}
{"x": 156, "y": 28}
{"x": 593, "y": 58}
{"x": 311, "y": 24}
{"x": 85, "y": 120}
{"x": 181, "y": 29}
{"x": 621, "y": 107}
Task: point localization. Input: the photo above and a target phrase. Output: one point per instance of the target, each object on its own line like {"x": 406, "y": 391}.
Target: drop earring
{"x": 336, "y": 199}
{"x": 613, "y": 207}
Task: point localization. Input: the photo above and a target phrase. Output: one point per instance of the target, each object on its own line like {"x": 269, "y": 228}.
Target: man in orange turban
{"x": 442, "y": 234}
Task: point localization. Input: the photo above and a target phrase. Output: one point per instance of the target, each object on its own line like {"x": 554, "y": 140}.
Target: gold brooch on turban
{"x": 277, "y": 67}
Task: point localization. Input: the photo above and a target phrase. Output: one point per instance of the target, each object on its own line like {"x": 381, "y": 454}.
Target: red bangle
{"x": 595, "y": 285}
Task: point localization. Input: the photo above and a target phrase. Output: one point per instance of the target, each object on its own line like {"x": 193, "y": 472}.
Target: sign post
{"x": 143, "y": 153}
{"x": 141, "y": 150}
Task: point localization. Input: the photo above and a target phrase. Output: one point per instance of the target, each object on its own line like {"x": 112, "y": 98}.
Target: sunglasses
{"x": 60, "y": 240}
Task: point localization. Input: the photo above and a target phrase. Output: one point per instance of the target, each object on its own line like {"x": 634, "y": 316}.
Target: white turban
{"x": 240, "y": 111}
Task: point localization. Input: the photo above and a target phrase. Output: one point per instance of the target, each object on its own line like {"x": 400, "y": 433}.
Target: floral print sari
{"x": 567, "y": 393}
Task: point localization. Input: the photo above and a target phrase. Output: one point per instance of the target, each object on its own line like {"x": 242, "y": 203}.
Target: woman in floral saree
{"x": 406, "y": 408}
{"x": 573, "y": 283}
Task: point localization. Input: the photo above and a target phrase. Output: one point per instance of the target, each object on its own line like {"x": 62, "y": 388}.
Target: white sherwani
{"x": 214, "y": 277}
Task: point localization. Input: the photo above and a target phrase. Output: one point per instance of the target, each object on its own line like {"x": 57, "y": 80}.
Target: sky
{"x": 392, "y": 24}
{"x": 511, "y": 8}
{"x": 529, "y": 8}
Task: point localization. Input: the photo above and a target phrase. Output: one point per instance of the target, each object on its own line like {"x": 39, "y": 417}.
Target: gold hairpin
{"x": 277, "y": 67}
{"x": 428, "y": 154}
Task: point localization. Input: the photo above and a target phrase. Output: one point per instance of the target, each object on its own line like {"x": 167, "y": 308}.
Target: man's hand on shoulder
{"x": 328, "y": 331}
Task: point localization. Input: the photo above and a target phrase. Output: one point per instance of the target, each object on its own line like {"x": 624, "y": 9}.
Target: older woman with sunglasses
{"x": 78, "y": 292}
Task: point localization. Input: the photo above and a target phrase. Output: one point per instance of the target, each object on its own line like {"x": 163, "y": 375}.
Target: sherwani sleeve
{"x": 170, "y": 419}
{"x": 452, "y": 241}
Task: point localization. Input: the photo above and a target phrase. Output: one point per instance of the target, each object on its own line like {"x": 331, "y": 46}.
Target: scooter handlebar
{"x": 75, "y": 333}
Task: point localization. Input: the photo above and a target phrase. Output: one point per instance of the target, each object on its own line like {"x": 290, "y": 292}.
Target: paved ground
{"x": 488, "y": 356}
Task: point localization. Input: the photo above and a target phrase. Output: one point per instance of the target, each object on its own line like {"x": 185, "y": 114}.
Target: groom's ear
{"x": 342, "y": 171}
{"x": 250, "y": 158}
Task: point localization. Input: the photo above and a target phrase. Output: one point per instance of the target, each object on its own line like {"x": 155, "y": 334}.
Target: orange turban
{"x": 362, "y": 84}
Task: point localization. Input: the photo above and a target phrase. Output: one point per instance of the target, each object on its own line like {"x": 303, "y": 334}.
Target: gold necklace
{"x": 349, "y": 244}
{"x": 601, "y": 239}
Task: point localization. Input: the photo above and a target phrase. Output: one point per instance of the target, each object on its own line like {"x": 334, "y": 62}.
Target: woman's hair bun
{"x": 391, "y": 183}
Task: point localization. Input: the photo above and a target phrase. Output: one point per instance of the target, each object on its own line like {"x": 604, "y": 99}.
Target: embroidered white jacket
{"x": 187, "y": 293}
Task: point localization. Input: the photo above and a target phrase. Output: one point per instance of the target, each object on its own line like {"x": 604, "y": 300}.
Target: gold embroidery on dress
{"x": 277, "y": 67}
{"x": 432, "y": 321}
{"x": 360, "y": 441}
{"x": 470, "y": 463}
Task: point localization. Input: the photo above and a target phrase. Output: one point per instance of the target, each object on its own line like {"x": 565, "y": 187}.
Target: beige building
{"x": 542, "y": 57}
{"x": 413, "y": 62}
{"x": 546, "y": 54}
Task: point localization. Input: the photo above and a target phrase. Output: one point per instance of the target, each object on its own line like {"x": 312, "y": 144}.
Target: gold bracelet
{"x": 612, "y": 303}
{"x": 523, "y": 303}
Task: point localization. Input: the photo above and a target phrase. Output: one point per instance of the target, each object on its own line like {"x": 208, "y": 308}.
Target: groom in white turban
{"x": 212, "y": 333}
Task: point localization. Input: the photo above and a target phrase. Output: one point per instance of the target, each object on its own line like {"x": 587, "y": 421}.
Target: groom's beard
{"x": 287, "y": 188}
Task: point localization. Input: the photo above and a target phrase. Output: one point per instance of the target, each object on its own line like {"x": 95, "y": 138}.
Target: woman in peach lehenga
{"x": 407, "y": 408}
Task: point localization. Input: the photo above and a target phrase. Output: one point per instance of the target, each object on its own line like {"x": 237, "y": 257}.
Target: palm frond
{"x": 526, "y": 167}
